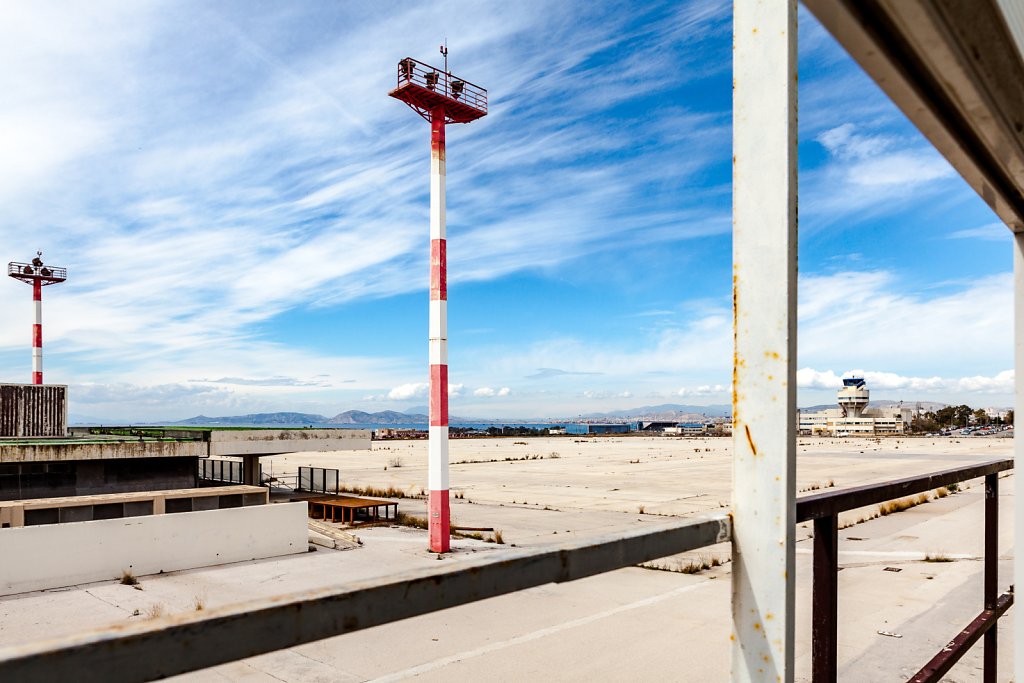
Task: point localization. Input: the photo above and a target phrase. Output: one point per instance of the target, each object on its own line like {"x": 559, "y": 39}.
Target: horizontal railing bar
{"x": 941, "y": 663}
{"x": 440, "y": 71}
{"x": 834, "y": 502}
{"x": 196, "y": 640}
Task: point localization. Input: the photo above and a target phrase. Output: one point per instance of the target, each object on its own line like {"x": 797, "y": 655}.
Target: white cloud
{"x": 809, "y": 378}
{"x": 991, "y": 232}
{"x": 1000, "y": 383}
{"x": 488, "y": 392}
{"x": 872, "y": 160}
{"x": 406, "y": 392}
{"x": 703, "y": 390}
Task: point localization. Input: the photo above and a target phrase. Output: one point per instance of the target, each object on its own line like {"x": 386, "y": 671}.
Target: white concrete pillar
{"x": 1018, "y": 441}
{"x": 764, "y": 362}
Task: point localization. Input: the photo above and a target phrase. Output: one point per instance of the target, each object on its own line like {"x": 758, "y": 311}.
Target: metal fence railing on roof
{"x": 318, "y": 480}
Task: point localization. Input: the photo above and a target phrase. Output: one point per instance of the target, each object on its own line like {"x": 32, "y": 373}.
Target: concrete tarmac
{"x": 625, "y": 625}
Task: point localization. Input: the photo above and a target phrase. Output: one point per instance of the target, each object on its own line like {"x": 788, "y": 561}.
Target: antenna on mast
{"x": 444, "y": 51}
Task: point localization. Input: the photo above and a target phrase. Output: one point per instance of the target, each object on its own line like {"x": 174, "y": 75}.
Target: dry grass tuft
{"x": 937, "y": 557}
{"x": 692, "y": 566}
{"x": 901, "y": 504}
{"x": 377, "y": 492}
{"x": 412, "y": 520}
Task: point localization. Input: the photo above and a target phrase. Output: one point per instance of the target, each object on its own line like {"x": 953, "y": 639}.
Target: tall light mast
{"x": 37, "y": 275}
{"x": 440, "y": 98}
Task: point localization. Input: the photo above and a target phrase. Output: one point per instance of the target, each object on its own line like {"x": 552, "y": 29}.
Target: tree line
{"x": 954, "y": 417}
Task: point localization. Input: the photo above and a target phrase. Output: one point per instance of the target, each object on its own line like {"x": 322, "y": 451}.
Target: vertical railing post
{"x": 991, "y": 571}
{"x": 764, "y": 360}
{"x": 825, "y": 619}
{"x": 1018, "y": 440}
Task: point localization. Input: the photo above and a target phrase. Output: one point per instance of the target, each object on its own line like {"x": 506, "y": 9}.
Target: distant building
{"x": 654, "y": 425}
{"x": 693, "y": 428}
{"x": 853, "y": 417}
{"x": 997, "y": 413}
{"x": 588, "y": 428}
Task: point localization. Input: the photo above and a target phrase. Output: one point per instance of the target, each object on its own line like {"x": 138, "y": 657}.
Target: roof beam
{"x": 955, "y": 70}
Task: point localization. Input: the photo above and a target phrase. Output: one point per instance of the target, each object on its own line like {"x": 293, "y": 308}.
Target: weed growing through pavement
{"x": 692, "y": 566}
{"x": 937, "y": 557}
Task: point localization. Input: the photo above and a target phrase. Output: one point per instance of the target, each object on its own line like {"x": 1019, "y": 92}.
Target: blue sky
{"x": 243, "y": 213}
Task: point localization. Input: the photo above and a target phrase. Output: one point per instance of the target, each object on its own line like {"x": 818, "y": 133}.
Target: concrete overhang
{"x": 115, "y": 443}
{"x": 955, "y": 69}
{"x": 65, "y": 450}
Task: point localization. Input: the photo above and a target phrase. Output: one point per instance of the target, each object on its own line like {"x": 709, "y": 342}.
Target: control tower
{"x": 853, "y": 397}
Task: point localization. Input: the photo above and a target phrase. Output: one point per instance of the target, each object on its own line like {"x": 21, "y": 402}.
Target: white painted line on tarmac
{"x": 535, "y": 635}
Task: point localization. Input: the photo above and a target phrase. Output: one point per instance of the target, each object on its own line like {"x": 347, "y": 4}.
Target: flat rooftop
{"x": 110, "y": 443}
{"x": 595, "y": 486}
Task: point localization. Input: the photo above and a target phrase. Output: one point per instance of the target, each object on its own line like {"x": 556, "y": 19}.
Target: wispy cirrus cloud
{"x": 233, "y": 191}
{"x": 992, "y": 232}
{"x": 267, "y": 381}
{"x": 245, "y": 179}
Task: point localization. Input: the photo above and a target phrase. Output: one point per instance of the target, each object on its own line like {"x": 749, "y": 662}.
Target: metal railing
{"x": 436, "y": 80}
{"x": 47, "y": 275}
{"x": 824, "y": 508}
{"x": 318, "y": 480}
{"x": 226, "y": 471}
{"x": 192, "y": 641}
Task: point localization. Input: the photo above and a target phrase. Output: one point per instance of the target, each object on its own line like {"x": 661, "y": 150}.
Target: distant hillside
{"x": 254, "y": 419}
{"x": 925, "y": 405}
{"x": 665, "y": 411}
{"x": 385, "y": 417}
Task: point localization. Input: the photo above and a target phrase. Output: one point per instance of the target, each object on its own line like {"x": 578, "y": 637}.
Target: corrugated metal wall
{"x": 33, "y": 410}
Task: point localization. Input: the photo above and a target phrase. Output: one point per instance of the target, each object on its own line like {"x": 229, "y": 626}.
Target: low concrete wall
{"x": 271, "y": 442}
{"x": 55, "y": 555}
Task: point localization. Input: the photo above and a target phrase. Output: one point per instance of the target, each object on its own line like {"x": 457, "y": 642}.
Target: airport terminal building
{"x": 853, "y": 417}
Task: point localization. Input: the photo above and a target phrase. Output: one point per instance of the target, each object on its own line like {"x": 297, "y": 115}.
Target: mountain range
{"x": 349, "y": 417}
{"x": 418, "y": 415}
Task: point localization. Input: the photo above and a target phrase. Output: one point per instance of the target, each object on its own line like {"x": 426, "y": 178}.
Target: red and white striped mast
{"x": 37, "y": 275}
{"x": 440, "y": 98}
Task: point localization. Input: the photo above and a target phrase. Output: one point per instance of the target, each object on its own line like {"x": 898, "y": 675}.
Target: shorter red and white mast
{"x": 38, "y": 275}
{"x": 37, "y": 333}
